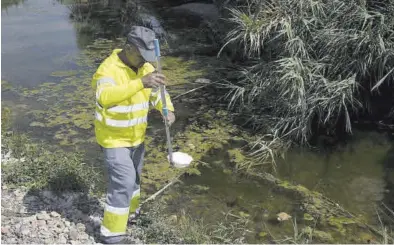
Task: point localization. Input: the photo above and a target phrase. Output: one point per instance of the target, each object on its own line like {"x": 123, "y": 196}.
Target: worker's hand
{"x": 170, "y": 118}
{"x": 153, "y": 80}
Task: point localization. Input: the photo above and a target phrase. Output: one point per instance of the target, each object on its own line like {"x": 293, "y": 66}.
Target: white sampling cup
{"x": 180, "y": 159}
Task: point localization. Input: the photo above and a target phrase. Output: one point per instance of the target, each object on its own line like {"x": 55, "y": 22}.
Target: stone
{"x": 30, "y": 219}
{"x": 73, "y": 234}
{"x": 62, "y": 239}
{"x": 43, "y": 228}
{"x": 19, "y": 195}
{"x": 22, "y": 210}
{"x": 74, "y": 242}
{"x": 43, "y": 216}
{"x": 56, "y": 226}
{"x": 34, "y": 223}
{"x": 67, "y": 223}
{"x": 51, "y": 223}
{"x": 18, "y": 226}
{"x": 83, "y": 236}
{"x": 5, "y": 230}
{"x": 48, "y": 240}
{"x": 282, "y": 216}
{"x": 5, "y": 205}
{"x": 17, "y": 192}
{"x": 81, "y": 227}
{"x": 54, "y": 214}
{"x": 11, "y": 240}
{"x": 41, "y": 223}
{"x": 25, "y": 231}
{"x": 45, "y": 234}
{"x": 59, "y": 227}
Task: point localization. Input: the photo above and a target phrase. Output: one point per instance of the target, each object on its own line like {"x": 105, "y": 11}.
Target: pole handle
{"x": 157, "y": 47}
{"x": 164, "y": 102}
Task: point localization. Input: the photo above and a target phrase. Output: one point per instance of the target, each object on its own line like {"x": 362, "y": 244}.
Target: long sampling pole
{"x": 164, "y": 102}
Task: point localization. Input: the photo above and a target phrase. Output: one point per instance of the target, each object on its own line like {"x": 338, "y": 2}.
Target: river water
{"x": 39, "y": 39}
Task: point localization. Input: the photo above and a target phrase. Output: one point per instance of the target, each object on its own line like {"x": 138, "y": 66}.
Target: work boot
{"x": 125, "y": 240}
{"x": 133, "y": 217}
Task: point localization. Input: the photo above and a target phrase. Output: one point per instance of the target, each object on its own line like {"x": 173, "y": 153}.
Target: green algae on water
{"x": 64, "y": 73}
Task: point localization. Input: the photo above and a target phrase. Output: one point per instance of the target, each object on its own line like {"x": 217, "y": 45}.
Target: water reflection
{"x": 5, "y": 4}
{"x": 353, "y": 174}
{"x": 104, "y": 19}
{"x": 388, "y": 163}
{"x": 40, "y": 37}
{"x": 37, "y": 39}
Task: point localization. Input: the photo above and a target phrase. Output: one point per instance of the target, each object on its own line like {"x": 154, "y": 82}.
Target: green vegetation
{"x": 184, "y": 72}
{"x": 39, "y": 165}
{"x": 154, "y": 227}
{"x": 304, "y": 67}
{"x": 159, "y": 228}
{"x": 66, "y": 115}
{"x": 68, "y": 110}
{"x": 303, "y": 74}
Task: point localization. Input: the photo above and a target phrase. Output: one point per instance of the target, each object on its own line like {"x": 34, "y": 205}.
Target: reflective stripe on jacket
{"x": 122, "y": 103}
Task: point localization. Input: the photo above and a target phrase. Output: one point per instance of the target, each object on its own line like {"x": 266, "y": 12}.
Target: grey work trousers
{"x": 124, "y": 167}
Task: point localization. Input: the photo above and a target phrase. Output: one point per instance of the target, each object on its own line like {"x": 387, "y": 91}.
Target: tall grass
{"x": 311, "y": 59}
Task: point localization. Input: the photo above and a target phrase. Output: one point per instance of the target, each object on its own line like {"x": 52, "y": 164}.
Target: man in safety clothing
{"x": 126, "y": 86}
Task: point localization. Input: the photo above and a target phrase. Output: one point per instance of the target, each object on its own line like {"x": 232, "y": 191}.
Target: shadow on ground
{"x": 68, "y": 195}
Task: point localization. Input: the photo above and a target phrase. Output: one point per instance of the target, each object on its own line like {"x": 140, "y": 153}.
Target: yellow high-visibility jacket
{"x": 122, "y": 103}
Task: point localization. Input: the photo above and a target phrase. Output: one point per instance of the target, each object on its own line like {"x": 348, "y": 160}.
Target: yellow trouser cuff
{"x": 134, "y": 203}
{"x": 115, "y": 223}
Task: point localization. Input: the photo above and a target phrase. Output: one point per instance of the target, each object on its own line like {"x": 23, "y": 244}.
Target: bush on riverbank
{"x": 311, "y": 64}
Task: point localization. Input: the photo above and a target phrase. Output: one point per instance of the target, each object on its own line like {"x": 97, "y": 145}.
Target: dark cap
{"x": 143, "y": 38}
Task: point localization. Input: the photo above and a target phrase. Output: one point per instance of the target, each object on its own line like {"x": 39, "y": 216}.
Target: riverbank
{"x": 31, "y": 218}
{"x": 45, "y": 216}
{"x": 247, "y": 206}
{"x": 65, "y": 203}
{"x": 215, "y": 202}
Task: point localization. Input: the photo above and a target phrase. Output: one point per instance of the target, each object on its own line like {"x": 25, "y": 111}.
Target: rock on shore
{"x": 47, "y": 218}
